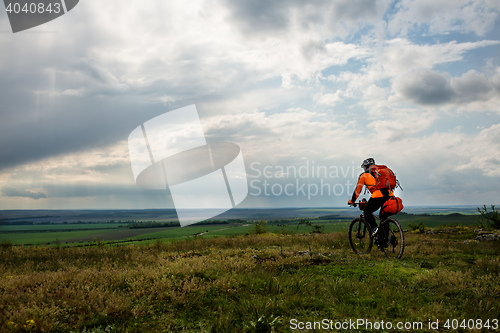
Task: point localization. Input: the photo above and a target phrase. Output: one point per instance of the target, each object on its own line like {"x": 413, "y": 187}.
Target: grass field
{"x": 59, "y": 227}
{"x": 224, "y": 282}
{"x": 78, "y": 234}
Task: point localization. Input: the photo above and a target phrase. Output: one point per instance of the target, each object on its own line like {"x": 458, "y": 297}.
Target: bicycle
{"x": 389, "y": 237}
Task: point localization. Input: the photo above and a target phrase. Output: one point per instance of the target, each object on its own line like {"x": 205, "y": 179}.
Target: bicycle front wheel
{"x": 360, "y": 236}
{"x": 395, "y": 238}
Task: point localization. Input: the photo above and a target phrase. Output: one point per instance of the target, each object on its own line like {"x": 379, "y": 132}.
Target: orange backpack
{"x": 384, "y": 176}
{"x": 393, "y": 205}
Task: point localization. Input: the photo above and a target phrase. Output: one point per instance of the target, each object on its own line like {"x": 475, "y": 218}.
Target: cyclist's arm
{"x": 359, "y": 187}
{"x": 364, "y": 179}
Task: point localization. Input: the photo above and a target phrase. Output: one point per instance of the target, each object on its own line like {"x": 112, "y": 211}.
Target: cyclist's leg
{"x": 371, "y": 206}
{"x": 385, "y": 227}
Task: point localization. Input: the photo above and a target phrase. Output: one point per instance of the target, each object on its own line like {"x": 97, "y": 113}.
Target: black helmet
{"x": 368, "y": 162}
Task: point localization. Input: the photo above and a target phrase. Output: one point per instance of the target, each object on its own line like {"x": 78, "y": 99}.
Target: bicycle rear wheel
{"x": 395, "y": 237}
{"x": 360, "y": 236}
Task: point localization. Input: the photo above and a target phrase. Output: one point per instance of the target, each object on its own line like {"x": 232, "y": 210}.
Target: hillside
{"x": 255, "y": 283}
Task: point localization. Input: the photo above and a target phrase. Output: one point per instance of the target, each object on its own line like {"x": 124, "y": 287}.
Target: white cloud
{"x": 400, "y": 56}
{"x": 407, "y": 70}
{"x": 289, "y": 135}
{"x": 445, "y": 16}
{"x": 445, "y": 167}
{"x": 329, "y": 99}
{"x": 401, "y": 125}
{"x": 483, "y": 152}
{"x": 194, "y": 47}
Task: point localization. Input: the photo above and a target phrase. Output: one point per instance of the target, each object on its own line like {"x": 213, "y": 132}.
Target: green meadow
{"x": 227, "y": 278}
{"x": 71, "y": 234}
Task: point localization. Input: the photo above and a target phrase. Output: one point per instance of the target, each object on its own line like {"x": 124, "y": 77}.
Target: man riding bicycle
{"x": 378, "y": 196}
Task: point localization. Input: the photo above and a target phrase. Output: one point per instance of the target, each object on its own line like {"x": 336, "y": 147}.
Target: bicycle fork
{"x": 361, "y": 232}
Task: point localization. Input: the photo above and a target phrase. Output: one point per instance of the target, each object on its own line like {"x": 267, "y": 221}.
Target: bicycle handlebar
{"x": 361, "y": 203}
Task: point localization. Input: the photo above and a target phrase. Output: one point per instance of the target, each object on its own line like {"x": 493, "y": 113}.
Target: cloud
{"x": 485, "y": 152}
{"x": 96, "y": 168}
{"x": 400, "y": 126}
{"x": 268, "y": 18}
{"x": 14, "y": 192}
{"x": 495, "y": 80}
{"x": 94, "y": 82}
{"x": 260, "y": 16}
{"x": 426, "y": 88}
{"x": 329, "y": 98}
{"x": 400, "y": 56}
{"x": 286, "y": 80}
{"x": 473, "y": 86}
{"x": 400, "y": 70}
{"x": 445, "y": 16}
{"x": 429, "y": 87}
{"x": 448, "y": 167}
{"x": 356, "y": 10}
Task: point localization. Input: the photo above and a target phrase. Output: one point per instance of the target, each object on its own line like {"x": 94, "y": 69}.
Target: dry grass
{"x": 243, "y": 284}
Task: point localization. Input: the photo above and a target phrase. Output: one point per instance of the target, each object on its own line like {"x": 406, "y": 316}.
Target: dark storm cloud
{"x": 92, "y": 190}
{"x": 433, "y": 88}
{"x": 80, "y": 104}
{"x": 57, "y": 105}
{"x": 268, "y": 16}
{"x": 34, "y": 128}
{"x": 260, "y": 16}
{"x": 426, "y": 87}
{"x": 96, "y": 72}
{"x": 15, "y": 192}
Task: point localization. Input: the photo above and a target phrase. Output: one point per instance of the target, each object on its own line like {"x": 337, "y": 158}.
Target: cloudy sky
{"x": 307, "y": 89}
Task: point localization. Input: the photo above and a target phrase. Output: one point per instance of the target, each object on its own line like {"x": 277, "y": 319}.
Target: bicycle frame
{"x": 390, "y": 242}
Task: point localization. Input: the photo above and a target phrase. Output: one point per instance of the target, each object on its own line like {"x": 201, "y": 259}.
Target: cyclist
{"x": 378, "y": 197}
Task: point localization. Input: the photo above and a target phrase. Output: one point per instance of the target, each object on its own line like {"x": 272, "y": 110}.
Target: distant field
{"x": 59, "y": 227}
{"x": 32, "y": 238}
{"x": 80, "y": 227}
{"x": 112, "y": 233}
{"x": 80, "y": 233}
{"x": 437, "y": 220}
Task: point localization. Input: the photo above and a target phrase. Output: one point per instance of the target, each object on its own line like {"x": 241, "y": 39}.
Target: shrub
{"x": 260, "y": 227}
{"x": 417, "y": 227}
{"x": 315, "y": 227}
{"x": 492, "y": 219}
{"x": 5, "y": 245}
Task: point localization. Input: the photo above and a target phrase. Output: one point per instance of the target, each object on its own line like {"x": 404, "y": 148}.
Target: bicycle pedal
{"x": 383, "y": 243}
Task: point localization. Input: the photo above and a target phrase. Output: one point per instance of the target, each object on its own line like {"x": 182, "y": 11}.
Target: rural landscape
{"x": 291, "y": 270}
{"x": 197, "y": 166}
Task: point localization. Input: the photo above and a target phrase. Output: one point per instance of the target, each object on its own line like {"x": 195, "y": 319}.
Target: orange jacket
{"x": 366, "y": 179}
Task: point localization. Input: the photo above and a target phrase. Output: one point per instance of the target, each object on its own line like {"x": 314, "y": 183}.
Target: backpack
{"x": 384, "y": 176}
{"x": 392, "y": 206}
